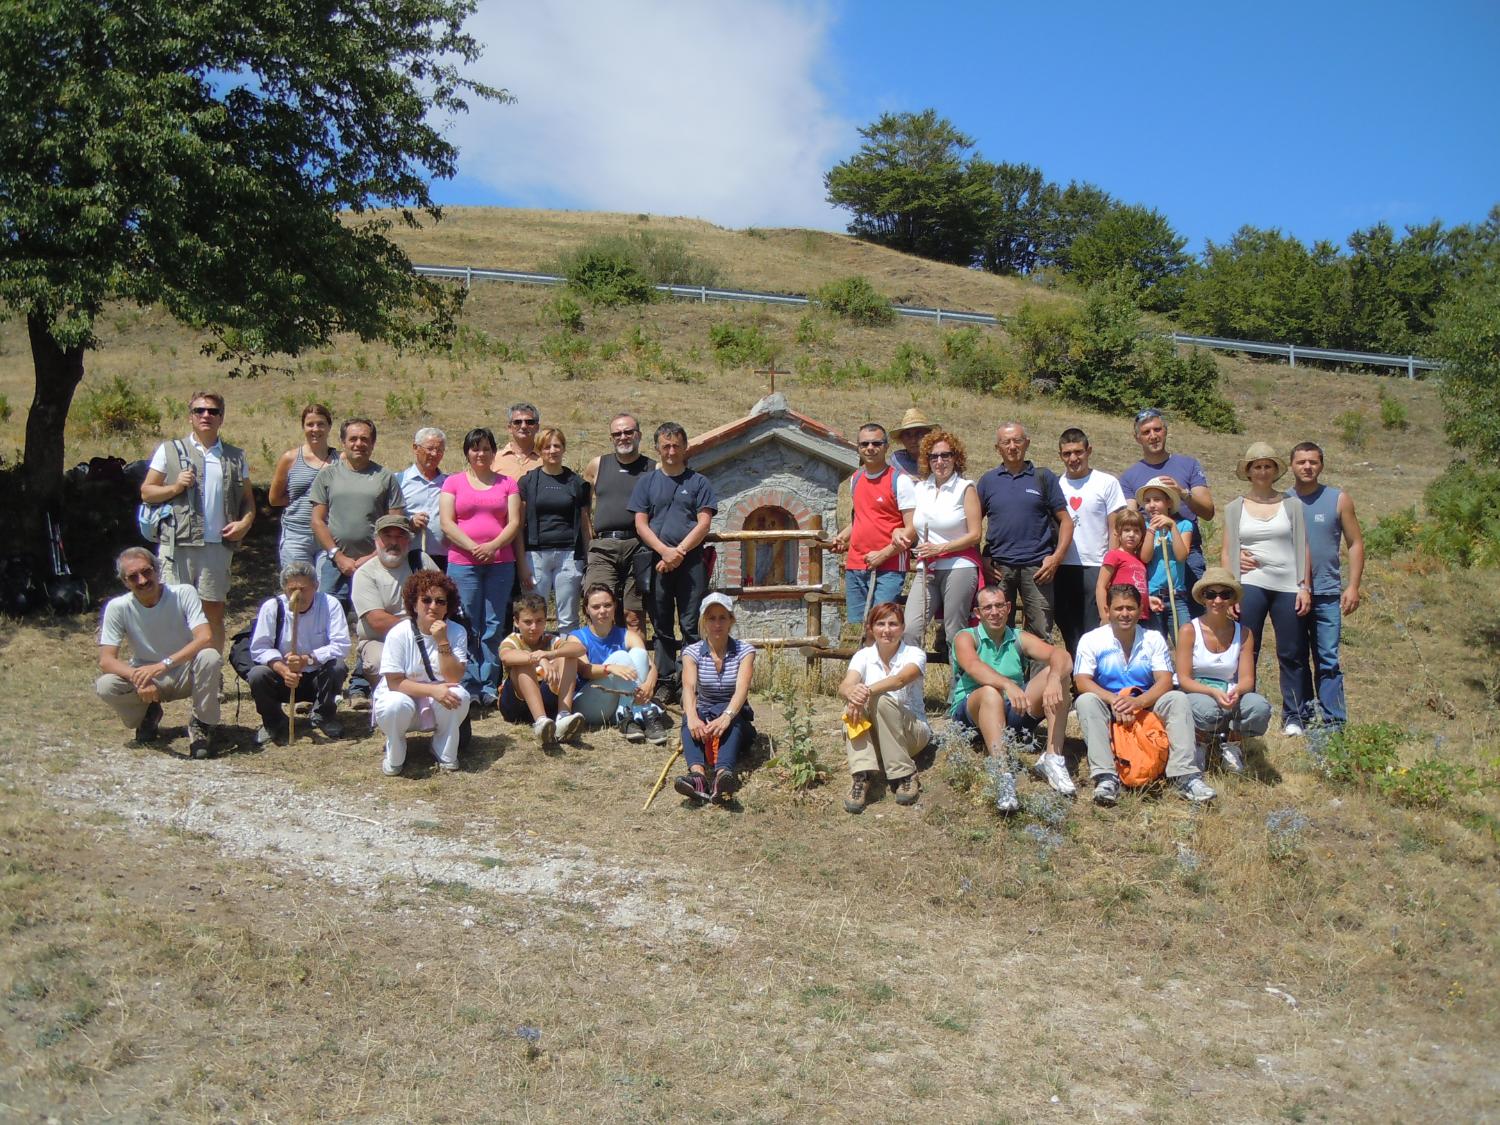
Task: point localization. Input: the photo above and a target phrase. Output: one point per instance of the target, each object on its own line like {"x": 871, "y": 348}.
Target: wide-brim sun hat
{"x": 914, "y": 419}
{"x": 1160, "y": 484}
{"x": 723, "y": 601}
{"x": 1217, "y": 576}
{"x": 1260, "y": 451}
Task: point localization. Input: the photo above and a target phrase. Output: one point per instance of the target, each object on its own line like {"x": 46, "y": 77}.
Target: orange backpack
{"x": 1140, "y": 748}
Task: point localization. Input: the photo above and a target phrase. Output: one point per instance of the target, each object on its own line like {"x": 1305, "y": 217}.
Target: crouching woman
{"x": 716, "y": 714}
{"x": 1216, "y": 669}
{"x": 884, "y": 718}
{"x": 424, "y": 659}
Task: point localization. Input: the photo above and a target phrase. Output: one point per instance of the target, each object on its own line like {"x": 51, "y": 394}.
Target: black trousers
{"x": 270, "y": 692}
{"x": 1073, "y": 603}
{"x": 674, "y": 601}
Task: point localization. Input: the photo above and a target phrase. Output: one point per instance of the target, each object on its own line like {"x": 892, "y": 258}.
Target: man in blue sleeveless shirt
{"x": 1330, "y": 518}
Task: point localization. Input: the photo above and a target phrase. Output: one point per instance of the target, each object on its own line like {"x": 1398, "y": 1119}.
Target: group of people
{"x": 428, "y": 592}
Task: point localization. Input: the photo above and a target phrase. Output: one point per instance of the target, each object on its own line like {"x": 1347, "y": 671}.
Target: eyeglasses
{"x": 871, "y": 444}
{"x": 940, "y": 456}
{"x": 1218, "y": 595}
{"x": 140, "y": 575}
{"x": 523, "y": 421}
{"x": 1146, "y": 415}
{"x": 618, "y": 434}
{"x": 212, "y": 411}
{"x": 433, "y": 601}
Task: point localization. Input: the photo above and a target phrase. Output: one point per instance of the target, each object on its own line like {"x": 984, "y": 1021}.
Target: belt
{"x": 614, "y": 535}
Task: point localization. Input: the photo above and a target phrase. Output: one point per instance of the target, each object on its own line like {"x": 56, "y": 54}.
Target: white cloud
{"x": 707, "y": 109}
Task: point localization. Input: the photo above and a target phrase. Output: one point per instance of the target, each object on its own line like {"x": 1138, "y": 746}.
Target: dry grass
{"x": 929, "y": 964}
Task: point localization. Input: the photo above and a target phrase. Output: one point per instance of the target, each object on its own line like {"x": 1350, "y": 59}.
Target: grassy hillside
{"x": 286, "y": 935}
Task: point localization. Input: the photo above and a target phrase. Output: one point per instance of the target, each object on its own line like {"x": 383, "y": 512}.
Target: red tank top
{"x": 876, "y": 516}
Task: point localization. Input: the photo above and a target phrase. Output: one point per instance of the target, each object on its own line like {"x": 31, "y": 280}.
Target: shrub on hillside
{"x": 1393, "y": 532}
{"x": 624, "y": 269}
{"x": 854, "y": 298}
{"x": 976, "y": 362}
{"x": 1101, "y": 356}
{"x": 115, "y": 407}
{"x": 1463, "y": 517}
{"x": 739, "y": 345}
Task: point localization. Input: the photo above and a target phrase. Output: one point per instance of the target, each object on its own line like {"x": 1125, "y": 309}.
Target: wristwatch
{"x": 166, "y": 662}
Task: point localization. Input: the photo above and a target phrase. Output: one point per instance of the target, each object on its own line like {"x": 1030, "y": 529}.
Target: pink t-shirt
{"x": 1129, "y": 570}
{"x": 481, "y": 514}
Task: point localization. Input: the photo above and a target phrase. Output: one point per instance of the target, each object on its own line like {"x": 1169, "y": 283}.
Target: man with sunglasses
{"x": 207, "y": 483}
{"x": 519, "y": 456}
{"x": 1192, "y": 483}
{"x": 883, "y": 499}
{"x": 615, "y": 557}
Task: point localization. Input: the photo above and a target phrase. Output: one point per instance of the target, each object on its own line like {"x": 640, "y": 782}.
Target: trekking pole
{"x": 291, "y": 704}
{"x": 662, "y": 779}
{"x": 1171, "y": 586}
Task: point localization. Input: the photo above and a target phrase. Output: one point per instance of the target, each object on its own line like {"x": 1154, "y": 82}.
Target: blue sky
{"x": 1317, "y": 118}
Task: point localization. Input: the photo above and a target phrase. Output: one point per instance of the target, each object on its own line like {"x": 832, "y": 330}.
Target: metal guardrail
{"x": 703, "y": 294}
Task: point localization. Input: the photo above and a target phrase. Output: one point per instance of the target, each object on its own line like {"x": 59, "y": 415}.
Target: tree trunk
{"x": 58, "y": 373}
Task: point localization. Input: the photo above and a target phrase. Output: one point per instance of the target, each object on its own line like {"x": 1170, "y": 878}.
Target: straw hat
{"x": 914, "y": 419}
{"x": 1160, "y": 484}
{"x": 1260, "y": 451}
{"x": 1217, "y": 576}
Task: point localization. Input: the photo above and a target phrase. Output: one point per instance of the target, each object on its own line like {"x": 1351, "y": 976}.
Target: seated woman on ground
{"x": 541, "y": 670}
{"x": 424, "y": 659}
{"x": 1165, "y": 553}
{"x": 617, "y": 673}
{"x": 716, "y": 714}
{"x": 1120, "y": 671}
{"x": 1123, "y": 564}
{"x": 885, "y": 720}
{"x": 989, "y": 696}
{"x": 1216, "y": 669}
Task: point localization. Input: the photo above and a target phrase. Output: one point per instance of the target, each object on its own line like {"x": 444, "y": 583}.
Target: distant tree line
{"x": 917, "y": 185}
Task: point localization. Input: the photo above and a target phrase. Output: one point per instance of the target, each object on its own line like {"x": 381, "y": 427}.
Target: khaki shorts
{"x": 205, "y": 569}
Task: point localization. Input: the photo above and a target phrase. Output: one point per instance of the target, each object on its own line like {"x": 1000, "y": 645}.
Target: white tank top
{"x": 1270, "y": 541}
{"x": 1216, "y": 665}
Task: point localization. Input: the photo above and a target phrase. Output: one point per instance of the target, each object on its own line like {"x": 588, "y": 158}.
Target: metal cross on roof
{"x": 771, "y": 370}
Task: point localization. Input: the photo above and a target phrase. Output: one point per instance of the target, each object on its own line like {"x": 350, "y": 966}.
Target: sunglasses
{"x": 433, "y": 601}
{"x": 871, "y": 444}
{"x": 212, "y": 411}
{"x": 1218, "y": 595}
{"x": 523, "y": 421}
{"x": 940, "y": 456}
{"x": 618, "y": 434}
{"x": 1146, "y": 415}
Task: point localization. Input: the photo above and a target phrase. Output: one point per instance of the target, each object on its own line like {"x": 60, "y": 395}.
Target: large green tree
{"x": 1467, "y": 340}
{"x": 1021, "y": 205}
{"x": 910, "y": 187}
{"x": 218, "y": 157}
{"x": 1138, "y": 243}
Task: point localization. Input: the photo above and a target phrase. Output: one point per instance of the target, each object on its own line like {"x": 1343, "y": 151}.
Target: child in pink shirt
{"x": 1123, "y": 564}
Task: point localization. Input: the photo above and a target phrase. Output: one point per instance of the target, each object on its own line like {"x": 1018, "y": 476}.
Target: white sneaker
{"x": 1106, "y": 790}
{"x": 569, "y": 725}
{"x": 1054, "y": 771}
{"x": 1230, "y": 759}
{"x": 1004, "y": 780}
{"x": 1195, "y": 790}
{"x": 1293, "y": 729}
{"x": 390, "y": 770}
{"x": 546, "y": 732}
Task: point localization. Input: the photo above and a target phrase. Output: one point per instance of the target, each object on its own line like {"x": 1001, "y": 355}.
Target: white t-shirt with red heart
{"x": 1091, "y": 500}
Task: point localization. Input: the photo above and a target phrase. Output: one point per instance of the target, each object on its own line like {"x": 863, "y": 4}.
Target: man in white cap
{"x": 913, "y": 428}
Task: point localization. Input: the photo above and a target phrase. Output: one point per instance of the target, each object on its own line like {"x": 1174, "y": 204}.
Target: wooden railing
{"x": 815, "y": 644}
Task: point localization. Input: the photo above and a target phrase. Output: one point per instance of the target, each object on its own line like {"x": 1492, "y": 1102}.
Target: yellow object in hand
{"x": 856, "y": 727}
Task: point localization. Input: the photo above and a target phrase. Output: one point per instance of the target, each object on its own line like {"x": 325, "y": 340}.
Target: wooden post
{"x": 814, "y": 578}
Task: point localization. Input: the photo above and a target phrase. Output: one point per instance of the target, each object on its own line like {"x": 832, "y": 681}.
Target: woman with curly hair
{"x": 424, "y": 659}
{"x": 947, "y": 524}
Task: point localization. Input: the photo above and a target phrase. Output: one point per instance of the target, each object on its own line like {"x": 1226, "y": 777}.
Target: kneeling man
{"x": 988, "y": 693}
{"x": 299, "y": 645}
{"x": 172, "y": 654}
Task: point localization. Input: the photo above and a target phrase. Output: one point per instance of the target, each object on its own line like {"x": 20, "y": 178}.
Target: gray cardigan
{"x": 1232, "y": 513}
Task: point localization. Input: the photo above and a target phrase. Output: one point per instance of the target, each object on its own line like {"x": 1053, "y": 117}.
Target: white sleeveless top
{"x": 1216, "y": 665}
{"x": 1270, "y": 541}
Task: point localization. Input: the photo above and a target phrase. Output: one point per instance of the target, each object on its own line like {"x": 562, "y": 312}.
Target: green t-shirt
{"x": 1004, "y": 656}
{"x": 355, "y": 501}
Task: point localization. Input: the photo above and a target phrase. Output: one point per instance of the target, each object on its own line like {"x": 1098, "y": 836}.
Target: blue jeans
{"x": 602, "y": 708}
{"x": 1162, "y": 622}
{"x": 888, "y": 585}
{"x": 558, "y": 574}
{"x": 331, "y": 580}
{"x": 739, "y": 735}
{"x": 1195, "y": 565}
{"x": 484, "y": 592}
{"x": 1291, "y": 641}
{"x": 1324, "y": 629}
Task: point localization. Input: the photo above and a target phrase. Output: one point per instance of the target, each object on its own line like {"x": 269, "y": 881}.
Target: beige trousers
{"x": 897, "y": 733}
{"x": 200, "y": 679}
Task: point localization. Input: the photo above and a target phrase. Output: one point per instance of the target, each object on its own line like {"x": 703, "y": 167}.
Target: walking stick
{"x": 1171, "y": 586}
{"x": 662, "y": 779}
{"x": 291, "y": 704}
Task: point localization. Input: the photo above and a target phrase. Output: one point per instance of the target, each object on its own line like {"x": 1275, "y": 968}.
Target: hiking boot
{"x": 1053, "y": 769}
{"x": 1106, "y": 790}
{"x": 200, "y": 740}
{"x": 859, "y": 792}
{"x": 692, "y": 786}
{"x": 666, "y": 695}
{"x": 359, "y": 699}
{"x": 908, "y": 789}
{"x": 489, "y": 699}
{"x": 655, "y": 730}
{"x": 1004, "y": 781}
{"x": 1293, "y": 729}
{"x": 725, "y": 784}
{"x": 546, "y": 732}
{"x": 329, "y": 725}
{"x": 267, "y": 735}
{"x": 149, "y": 728}
{"x": 569, "y": 725}
{"x": 1194, "y": 789}
{"x": 633, "y": 730}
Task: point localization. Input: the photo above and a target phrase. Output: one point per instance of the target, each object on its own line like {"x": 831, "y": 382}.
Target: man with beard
{"x": 615, "y": 553}
{"x": 378, "y": 600}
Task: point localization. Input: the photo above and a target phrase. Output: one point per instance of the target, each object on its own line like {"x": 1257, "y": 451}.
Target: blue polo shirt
{"x": 672, "y": 503}
{"x": 1020, "y": 512}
